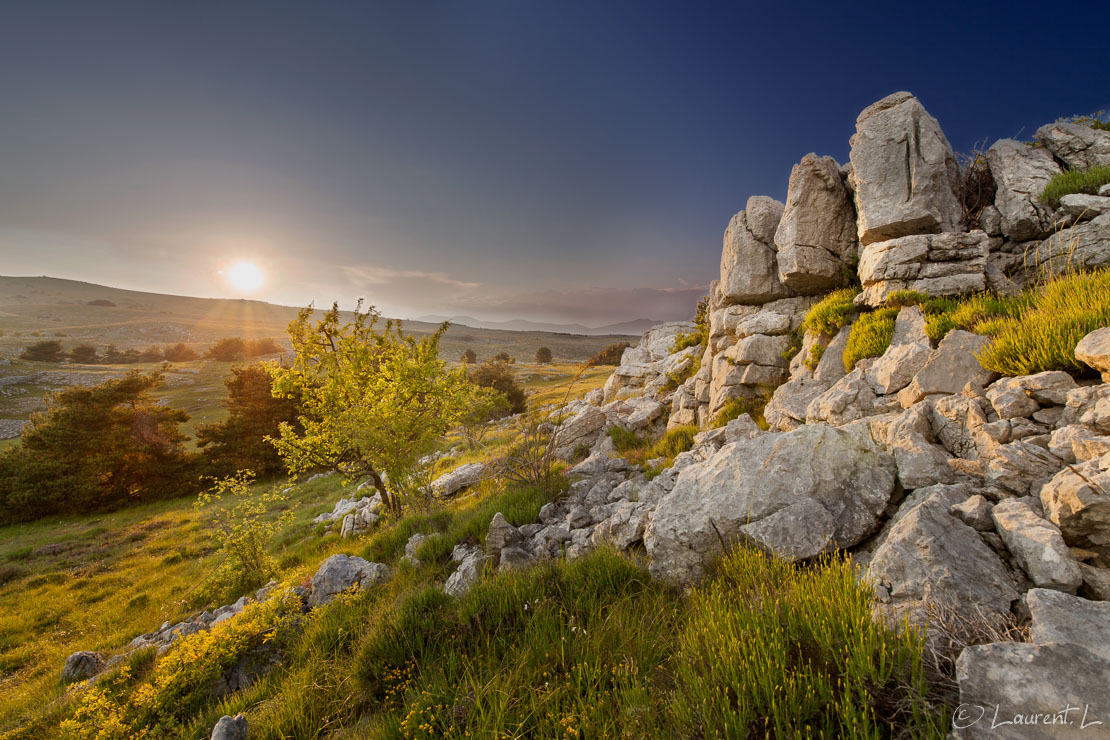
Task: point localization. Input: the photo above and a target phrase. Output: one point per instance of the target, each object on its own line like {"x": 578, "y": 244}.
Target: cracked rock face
{"x": 903, "y": 174}
{"x": 749, "y": 272}
{"x": 816, "y": 236}
{"x": 1021, "y": 173}
{"x": 1079, "y": 147}
{"x": 799, "y": 494}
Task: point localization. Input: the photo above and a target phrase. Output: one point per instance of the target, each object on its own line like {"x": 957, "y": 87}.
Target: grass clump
{"x": 638, "y": 450}
{"x": 870, "y": 336}
{"x": 734, "y": 408}
{"x": 1075, "y": 181}
{"x": 1051, "y": 321}
{"x": 625, "y": 440}
{"x": 833, "y": 311}
{"x": 774, "y": 649}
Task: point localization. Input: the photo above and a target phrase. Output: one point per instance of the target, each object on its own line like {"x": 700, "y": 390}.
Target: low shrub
{"x": 1075, "y": 181}
{"x": 870, "y": 336}
{"x": 833, "y": 311}
{"x": 611, "y": 355}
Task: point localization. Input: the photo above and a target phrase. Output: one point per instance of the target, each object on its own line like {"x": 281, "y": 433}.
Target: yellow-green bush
{"x": 158, "y": 702}
{"x": 870, "y": 336}
{"x": 832, "y": 312}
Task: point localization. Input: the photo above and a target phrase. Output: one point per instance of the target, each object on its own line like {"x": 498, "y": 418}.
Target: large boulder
{"x": 1037, "y": 545}
{"x": 749, "y": 272}
{"x": 82, "y": 665}
{"x": 798, "y": 494}
{"x": 461, "y": 477}
{"x": 951, "y": 367}
{"x": 1079, "y": 147}
{"x": 816, "y": 236}
{"x": 341, "y": 573}
{"x": 1019, "y": 690}
{"x": 949, "y": 263}
{"x": 1058, "y": 617}
{"x": 929, "y": 558}
{"x": 1077, "y": 500}
{"x": 904, "y": 174}
{"x": 1021, "y": 173}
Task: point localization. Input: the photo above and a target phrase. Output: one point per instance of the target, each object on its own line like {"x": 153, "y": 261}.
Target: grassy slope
{"x": 120, "y": 574}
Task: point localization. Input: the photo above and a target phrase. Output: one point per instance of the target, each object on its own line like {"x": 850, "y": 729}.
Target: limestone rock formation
{"x": 1021, "y": 173}
{"x": 798, "y": 494}
{"x": 904, "y": 174}
{"x": 816, "y": 237}
{"x": 461, "y": 477}
{"x": 949, "y": 263}
{"x": 1079, "y": 147}
{"x": 749, "y": 270}
{"x": 930, "y": 555}
{"x": 340, "y": 573}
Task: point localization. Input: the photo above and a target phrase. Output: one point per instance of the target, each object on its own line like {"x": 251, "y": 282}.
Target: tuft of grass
{"x": 870, "y": 336}
{"x": 1075, "y": 181}
{"x": 833, "y": 311}
{"x": 670, "y": 445}
{"x": 1052, "y": 320}
{"x": 625, "y": 440}
{"x": 734, "y": 408}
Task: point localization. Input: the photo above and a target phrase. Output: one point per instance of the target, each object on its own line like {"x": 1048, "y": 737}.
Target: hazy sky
{"x": 504, "y": 159}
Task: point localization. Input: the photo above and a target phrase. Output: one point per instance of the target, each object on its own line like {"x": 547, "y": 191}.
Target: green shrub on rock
{"x": 870, "y": 336}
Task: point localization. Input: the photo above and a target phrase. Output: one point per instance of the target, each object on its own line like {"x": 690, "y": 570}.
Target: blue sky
{"x": 567, "y": 161}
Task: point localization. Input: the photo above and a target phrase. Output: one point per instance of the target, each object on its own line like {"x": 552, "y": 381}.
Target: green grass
{"x": 590, "y": 648}
{"x": 832, "y": 312}
{"x": 734, "y": 408}
{"x": 1053, "y": 319}
{"x": 112, "y": 577}
{"x": 870, "y": 336}
{"x": 1075, "y": 181}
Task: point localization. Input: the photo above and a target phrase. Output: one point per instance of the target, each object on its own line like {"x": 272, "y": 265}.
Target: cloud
{"x": 364, "y": 275}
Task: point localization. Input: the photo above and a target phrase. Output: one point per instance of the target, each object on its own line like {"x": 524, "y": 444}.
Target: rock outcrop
{"x": 904, "y": 174}
{"x": 798, "y": 494}
{"x": 816, "y": 237}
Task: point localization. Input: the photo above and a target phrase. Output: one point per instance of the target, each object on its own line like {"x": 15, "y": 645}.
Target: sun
{"x": 244, "y": 277}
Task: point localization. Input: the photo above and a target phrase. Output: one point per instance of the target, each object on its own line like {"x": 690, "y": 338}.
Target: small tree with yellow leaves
{"x": 373, "y": 402}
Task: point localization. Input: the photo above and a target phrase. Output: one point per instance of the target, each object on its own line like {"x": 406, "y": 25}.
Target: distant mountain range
{"x": 636, "y": 326}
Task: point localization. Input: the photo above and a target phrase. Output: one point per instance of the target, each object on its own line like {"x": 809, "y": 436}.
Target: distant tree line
{"x": 115, "y": 444}
{"x": 229, "y": 349}
{"x": 611, "y": 355}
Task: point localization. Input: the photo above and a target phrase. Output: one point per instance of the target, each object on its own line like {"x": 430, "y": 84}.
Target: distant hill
{"x": 636, "y": 326}
{"x": 79, "y": 312}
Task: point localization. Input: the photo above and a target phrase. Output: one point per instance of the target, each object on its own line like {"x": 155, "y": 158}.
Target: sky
{"x": 559, "y": 161}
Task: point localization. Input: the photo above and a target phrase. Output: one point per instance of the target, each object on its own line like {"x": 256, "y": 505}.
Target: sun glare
{"x": 244, "y": 277}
